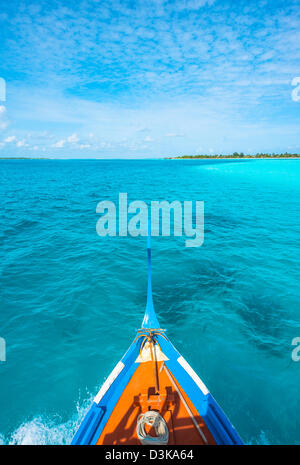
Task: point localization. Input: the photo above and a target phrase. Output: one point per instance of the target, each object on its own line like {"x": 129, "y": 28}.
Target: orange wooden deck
{"x": 173, "y": 404}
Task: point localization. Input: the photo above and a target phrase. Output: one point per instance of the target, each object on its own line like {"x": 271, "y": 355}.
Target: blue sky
{"x": 125, "y": 78}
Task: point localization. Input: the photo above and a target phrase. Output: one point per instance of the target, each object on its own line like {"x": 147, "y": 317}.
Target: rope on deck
{"x": 156, "y": 421}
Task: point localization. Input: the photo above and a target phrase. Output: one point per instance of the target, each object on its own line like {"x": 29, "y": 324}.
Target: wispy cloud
{"x": 73, "y": 138}
{"x": 9, "y": 139}
{"x": 59, "y": 144}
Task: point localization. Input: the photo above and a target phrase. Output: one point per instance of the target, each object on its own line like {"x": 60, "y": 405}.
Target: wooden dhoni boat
{"x": 153, "y": 396}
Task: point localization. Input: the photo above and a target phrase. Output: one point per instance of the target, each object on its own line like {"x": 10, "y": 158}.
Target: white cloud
{"x": 73, "y": 138}
{"x": 10, "y": 139}
{"x": 20, "y": 143}
{"x": 59, "y": 144}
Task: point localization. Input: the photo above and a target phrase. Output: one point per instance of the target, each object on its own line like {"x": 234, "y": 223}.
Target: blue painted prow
{"x": 150, "y": 319}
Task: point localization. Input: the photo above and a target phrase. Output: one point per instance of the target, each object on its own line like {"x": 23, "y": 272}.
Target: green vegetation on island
{"x": 241, "y": 155}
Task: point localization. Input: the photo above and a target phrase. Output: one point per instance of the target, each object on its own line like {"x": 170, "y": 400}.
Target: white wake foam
{"x": 43, "y": 431}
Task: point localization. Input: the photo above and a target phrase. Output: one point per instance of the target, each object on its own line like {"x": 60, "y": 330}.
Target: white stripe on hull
{"x": 193, "y": 375}
{"x": 108, "y": 382}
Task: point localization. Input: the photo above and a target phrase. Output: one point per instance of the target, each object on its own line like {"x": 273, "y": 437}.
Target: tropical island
{"x": 239, "y": 155}
{"x": 234, "y": 155}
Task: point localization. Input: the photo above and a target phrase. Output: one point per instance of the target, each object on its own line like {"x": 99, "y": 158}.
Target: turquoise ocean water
{"x": 72, "y": 301}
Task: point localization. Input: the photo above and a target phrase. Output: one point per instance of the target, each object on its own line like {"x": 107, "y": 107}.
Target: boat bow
{"x": 154, "y": 380}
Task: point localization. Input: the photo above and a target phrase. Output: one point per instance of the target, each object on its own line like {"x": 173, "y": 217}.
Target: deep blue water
{"x": 71, "y": 301}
